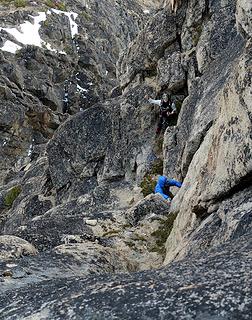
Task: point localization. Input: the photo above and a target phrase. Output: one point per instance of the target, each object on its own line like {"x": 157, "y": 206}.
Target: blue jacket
{"x": 163, "y": 182}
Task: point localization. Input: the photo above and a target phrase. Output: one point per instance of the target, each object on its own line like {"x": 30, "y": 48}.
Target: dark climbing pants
{"x": 163, "y": 117}
{"x": 163, "y": 120}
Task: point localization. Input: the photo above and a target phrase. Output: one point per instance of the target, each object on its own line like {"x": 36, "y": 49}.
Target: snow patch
{"x": 28, "y": 33}
{"x": 29, "y": 153}
{"x": 80, "y": 89}
{"x": 10, "y": 46}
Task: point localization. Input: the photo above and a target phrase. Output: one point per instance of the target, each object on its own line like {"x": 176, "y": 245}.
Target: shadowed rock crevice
{"x": 243, "y": 184}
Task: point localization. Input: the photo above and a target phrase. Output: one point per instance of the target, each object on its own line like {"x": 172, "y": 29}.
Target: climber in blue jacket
{"x": 163, "y": 185}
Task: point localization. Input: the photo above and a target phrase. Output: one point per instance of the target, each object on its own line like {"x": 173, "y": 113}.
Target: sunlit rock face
{"x": 212, "y": 156}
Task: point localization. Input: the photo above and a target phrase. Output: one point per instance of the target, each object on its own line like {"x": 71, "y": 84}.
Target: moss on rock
{"x": 20, "y": 3}
{"x": 11, "y": 195}
{"x": 150, "y": 178}
{"x": 162, "y": 233}
{"x": 56, "y": 5}
{"x": 148, "y": 185}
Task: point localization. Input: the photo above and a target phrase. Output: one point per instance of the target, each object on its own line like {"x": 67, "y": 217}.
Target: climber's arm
{"x": 159, "y": 190}
{"x": 175, "y": 183}
{"x": 157, "y": 102}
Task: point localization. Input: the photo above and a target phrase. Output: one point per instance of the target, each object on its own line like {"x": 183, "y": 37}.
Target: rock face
{"x": 213, "y": 151}
{"x": 117, "y": 144}
{"x": 70, "y": 195}
{"x": 145, "y": 51}
{"x": 244, "y": 17}
{"x": 74, "y": 67}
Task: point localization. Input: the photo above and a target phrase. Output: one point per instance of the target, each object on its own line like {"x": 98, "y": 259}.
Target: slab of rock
{"x": 170, "y": 73}
{"x": 48, "y": 230}
{"x": 64, "y": 261}
{"x": 213, "y": 155}
{"x": 144, "y": 52}
{"x": 244, "y": 18}
{"x": 225, "y": 221}
{"x": 12, "y": 247}
{"x": 216, "y": 285}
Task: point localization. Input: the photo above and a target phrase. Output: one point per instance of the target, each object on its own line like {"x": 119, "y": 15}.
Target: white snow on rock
{"x": 80, "y": 89}
{"x": 10, "y": 46}
{"x": 28, "y": 33}
{"x": 30, "y": 150}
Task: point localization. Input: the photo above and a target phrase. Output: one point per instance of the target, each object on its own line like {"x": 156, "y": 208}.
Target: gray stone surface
{"x": 244, "y": 20}
{"x": 144, "y": 52}
{"x": 13, "y": 247}
{"x": 32, "y": 106}
{"x": 153, "y": 204}
{"x": 215, "y": 285}
{"x": 170, "y": 72}
{"x": 89, "y": 166}
{"x": 118, "y": 140}
{"x": 213, "y": 160}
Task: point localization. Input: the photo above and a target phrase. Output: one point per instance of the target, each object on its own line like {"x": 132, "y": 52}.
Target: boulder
{"x": 153, "y": 204}
{"x": 170, "y": 73}
{"x": 14, "y": 247}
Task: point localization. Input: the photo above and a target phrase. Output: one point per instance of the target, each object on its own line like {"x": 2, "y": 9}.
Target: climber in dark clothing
{"x": 167, "y": 110}
{"x": 163, "y": 185}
